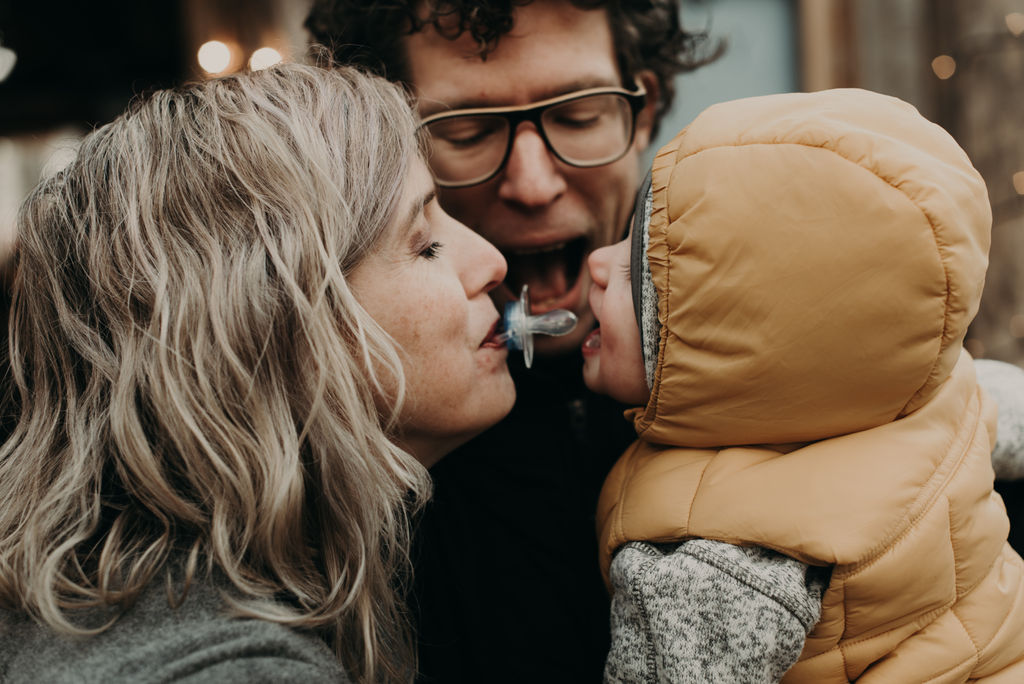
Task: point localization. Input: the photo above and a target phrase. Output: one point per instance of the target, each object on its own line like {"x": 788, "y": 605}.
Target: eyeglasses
{"x": 585, "y": 128}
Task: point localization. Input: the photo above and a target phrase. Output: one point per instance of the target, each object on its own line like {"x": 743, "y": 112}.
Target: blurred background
{"x": 66, "y": 67}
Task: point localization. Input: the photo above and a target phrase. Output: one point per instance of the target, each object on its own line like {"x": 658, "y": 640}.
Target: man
{"x": 507, "y": 586}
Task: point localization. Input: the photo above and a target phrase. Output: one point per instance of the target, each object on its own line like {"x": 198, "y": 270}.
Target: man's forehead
{"x": 553, "y": 48}
{"x": 466, "y": 99}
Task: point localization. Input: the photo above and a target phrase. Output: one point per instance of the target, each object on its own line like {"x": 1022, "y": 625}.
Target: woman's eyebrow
{"x": 416, "y": 209}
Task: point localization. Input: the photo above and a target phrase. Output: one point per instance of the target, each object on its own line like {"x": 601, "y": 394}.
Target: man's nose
{"x": 532, "y": 177}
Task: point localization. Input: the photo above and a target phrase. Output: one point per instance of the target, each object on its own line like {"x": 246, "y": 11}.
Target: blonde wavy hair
{"x": 195, "y": 386}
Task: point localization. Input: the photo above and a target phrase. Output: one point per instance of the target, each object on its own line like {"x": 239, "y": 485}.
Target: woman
{"x": 241, "y": 325}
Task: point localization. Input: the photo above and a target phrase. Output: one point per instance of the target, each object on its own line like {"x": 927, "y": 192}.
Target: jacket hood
{"x": 818, "y": 258}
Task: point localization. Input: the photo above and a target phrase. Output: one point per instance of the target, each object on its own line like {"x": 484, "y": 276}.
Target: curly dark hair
{"x": 369, "y": 33}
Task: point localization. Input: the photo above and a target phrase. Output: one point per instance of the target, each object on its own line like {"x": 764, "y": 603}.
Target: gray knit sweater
{"x": 197, "y": 644}
{"x": 707, "y": 611}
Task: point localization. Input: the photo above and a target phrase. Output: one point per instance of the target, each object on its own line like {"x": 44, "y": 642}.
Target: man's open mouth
{"x": 550, "y": 271}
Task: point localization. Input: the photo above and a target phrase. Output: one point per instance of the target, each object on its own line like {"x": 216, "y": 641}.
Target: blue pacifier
{"x": 520, "y": 326}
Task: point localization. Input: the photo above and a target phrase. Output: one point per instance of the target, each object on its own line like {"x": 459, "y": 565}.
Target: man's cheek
{"x": 465, "y": 205}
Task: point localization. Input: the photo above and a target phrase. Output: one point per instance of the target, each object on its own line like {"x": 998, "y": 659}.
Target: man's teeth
{"x": 538, "y": 250}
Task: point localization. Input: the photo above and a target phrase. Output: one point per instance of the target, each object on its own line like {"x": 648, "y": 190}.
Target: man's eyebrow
{"x": 431, "y": 107}
{"x": 415, "y": 210}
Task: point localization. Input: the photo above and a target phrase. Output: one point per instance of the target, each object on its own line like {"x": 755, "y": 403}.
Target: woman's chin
{"x": 431, "y": 445}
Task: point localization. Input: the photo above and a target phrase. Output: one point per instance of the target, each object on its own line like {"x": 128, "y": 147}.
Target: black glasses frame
{"x": 533, "y": 113}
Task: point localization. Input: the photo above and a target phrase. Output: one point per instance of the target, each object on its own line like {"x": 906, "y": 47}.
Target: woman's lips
{"x": 592, "y": 342}
{"x": 489, "y": 341}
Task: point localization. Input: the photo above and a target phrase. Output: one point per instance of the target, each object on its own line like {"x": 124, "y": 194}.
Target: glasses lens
{"x": 590, "y": 131}
{"x": 467, "y": 149}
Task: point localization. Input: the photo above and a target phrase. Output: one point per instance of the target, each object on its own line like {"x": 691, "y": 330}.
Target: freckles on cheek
{"x": 406, "y": 328}
{"x": 424, "y": 335}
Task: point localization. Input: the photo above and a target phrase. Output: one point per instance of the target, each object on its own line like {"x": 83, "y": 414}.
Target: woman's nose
{"x": 483, "y": 267}
{"x": 531, "y": 177}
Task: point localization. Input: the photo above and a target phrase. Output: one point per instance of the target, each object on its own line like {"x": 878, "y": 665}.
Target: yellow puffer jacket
{"x": 818, "y": 258}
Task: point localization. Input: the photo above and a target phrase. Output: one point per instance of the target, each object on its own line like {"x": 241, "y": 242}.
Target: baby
{"x": 811, "y": 492}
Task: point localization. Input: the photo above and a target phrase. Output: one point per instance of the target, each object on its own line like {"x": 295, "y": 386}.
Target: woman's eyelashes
{"x": 431, "y": 251}
{"x": 423, "y": 245}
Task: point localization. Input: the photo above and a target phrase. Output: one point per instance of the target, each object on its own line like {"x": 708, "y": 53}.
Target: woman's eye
{"x": 431, "y": 251}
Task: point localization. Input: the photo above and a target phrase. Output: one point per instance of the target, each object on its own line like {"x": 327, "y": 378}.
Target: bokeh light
{"x": 1015, "y": 22}
{"x": 263, "y": 58}
{"x": 944, "y": 66}
{"x": 1018, "y": 182}
{"x": 214, "y": 56}
{"x": 7, "y": 60}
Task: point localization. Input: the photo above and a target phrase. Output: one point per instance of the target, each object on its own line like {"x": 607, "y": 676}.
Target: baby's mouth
{"x": 551, "y": 271}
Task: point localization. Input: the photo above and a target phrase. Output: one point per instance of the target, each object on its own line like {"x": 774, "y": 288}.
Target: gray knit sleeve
{"x": 1004, "y": 382}
{"x": 706, "y": 611}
